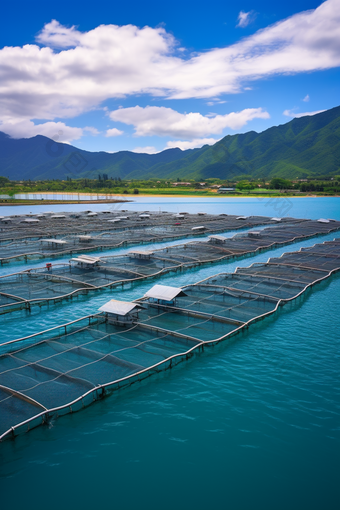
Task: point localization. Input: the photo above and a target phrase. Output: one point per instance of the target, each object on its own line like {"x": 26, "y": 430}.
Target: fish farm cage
{"x": 75, "y": 232}
{"x": 84, "y": 274}
{"x": 66, "y": 368}
{"x": 50, "y": 224}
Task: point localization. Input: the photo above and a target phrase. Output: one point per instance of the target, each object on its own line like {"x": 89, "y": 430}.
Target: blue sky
{"x": 146, "y": 76}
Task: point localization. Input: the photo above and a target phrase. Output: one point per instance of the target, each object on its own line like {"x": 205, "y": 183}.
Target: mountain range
{"x": 304, "y": 147}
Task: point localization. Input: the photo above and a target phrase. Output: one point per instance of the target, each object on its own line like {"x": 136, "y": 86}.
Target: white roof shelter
{"x": 92, "y": 214}
{"x": 85, "y": 259}
{"x": 201, "y": 227}
{"x": 276, "y": 219}
{"x": 323, "y": 220}
{"x": 141, "y": 254}
{"x": 54, "y": 241}
{"x": 29, "y": 220}
{"x": 144, "y": 216}
{"x": 164, "y": 292}
{"x": 242, "y": 218}
{"x": 217, "y": 238}
{"x": 119, "y": 307}
{"x": 58, "y": 217}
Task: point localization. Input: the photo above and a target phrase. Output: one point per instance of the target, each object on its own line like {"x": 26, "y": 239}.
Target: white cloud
{"x": 24, "y": 128}
{"x": 146, "y": 150}
{"x": 193, "y": 144}
{"x": 215, "y": 101}
{"x": 306, "y": 98}
{"x": 94, "y": 131}
{"x": 245, "y": 18}
{"x": 291, "y": 113}
{"x": 108, "y": 61}
{"x": 113, "y": 132}
{"x": 115, "y": 61}
{"x": 161, "y": 121}
{"x": 55, "y": 35}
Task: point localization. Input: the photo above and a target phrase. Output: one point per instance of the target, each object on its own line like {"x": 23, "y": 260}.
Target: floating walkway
{"x": 55, "y": 235}
{"x": 64, "y": 369}
{"x": 85, "y": 275}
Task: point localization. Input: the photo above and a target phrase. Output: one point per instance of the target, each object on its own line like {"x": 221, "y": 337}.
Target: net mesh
{"x": 19, "y": 240}
{"x": 56, "y": 368}
{"x": 27, "y": 288}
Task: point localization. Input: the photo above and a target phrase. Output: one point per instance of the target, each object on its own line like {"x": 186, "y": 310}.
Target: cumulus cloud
{"x": 70, "y": 72}
{"x": 306, "y": 98}
{"x": 113, "y": 132}
{"x": 108, "y": 61}
{"x": 161, "y": 121}
{"x": 24, "y": 128}
{"x": 193, "y": 144}
{"x": 245, "y": 18}
{"x": 291, "y": 113}
{"x": 55, "y": 35}
{"x": 146, "y": 150}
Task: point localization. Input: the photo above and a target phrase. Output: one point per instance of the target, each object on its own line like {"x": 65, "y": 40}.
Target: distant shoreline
{"x": 265, "y": 195}
{"x": 55, "y": 202}
{"x": 129, "y": 198}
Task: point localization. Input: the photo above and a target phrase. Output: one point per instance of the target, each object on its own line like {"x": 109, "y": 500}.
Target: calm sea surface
{"x": 253, "y": 424}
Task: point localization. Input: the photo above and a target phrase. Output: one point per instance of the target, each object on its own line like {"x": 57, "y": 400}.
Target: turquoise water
{"x": 296, "y": 207}
{"x": 254, "y": 424}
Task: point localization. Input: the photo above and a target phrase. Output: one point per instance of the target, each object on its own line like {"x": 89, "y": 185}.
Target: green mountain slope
{"x": 305, "y": 147}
